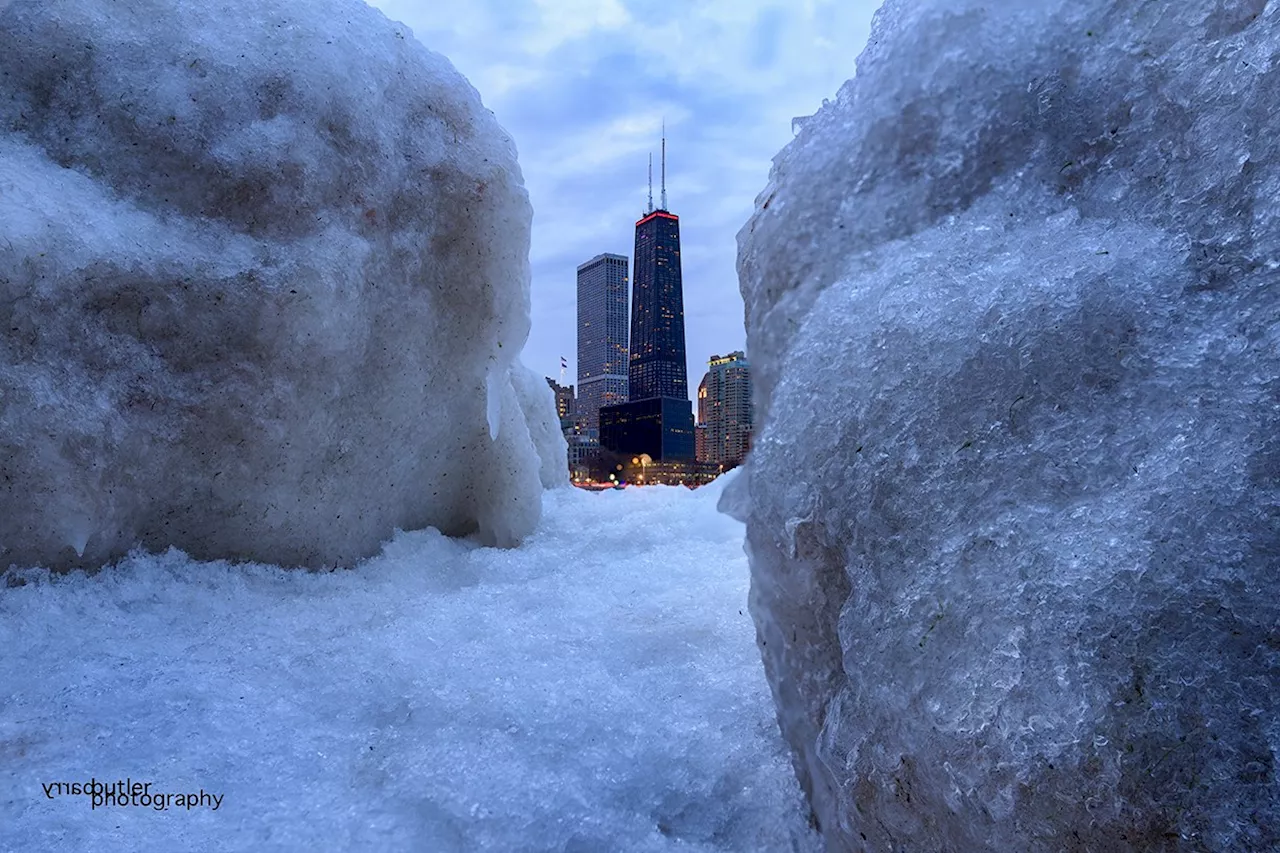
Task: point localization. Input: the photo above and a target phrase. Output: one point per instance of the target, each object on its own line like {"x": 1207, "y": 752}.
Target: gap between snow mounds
{"x": 596, "y": 688}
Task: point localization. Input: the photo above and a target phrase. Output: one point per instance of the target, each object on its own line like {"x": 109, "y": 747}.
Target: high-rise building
{"x": 566, "y": 405}
{"x": 602, "y": 337}
{"x": 581, "y": 445}
{"x": 700, "y": 425}
{"x": 657, "y": 311}
{"x": 658, "y": 419}
{"x": 726, "y": 409}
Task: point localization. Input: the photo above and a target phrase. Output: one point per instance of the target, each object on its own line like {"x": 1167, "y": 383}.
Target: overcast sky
{"x": 584, "y": 85}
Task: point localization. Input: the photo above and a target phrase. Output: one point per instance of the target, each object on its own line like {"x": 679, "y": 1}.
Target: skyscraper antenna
{"x": 650, "y": 210}
{"x": 664, "y": 164}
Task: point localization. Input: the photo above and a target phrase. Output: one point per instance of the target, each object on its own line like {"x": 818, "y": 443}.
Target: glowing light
{"x": 656, "y": 214}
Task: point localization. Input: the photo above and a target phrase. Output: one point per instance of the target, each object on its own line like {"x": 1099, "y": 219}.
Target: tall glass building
{"x": 602, "y": 336}
{"x": 658, "y": 419}
{"x": 657, "y": 311}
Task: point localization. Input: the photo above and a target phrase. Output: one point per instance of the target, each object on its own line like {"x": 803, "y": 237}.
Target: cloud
{"x": 768, "y": 29}
{"x": 583, "y": 86}
{"x": 565, "y": 21}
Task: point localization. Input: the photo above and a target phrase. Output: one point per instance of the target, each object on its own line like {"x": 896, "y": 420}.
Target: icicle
{"x": 493, "y": 401}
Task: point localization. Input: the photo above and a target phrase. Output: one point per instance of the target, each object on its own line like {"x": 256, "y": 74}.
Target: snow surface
{"x": 597, "y": 688}
{"x": 1015, "y": 579}
{"x": 264, "y": 280}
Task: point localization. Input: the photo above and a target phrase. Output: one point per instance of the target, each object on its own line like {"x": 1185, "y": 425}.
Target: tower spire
{"x": 650, "y": 210}
{"x": 664, "y": 164}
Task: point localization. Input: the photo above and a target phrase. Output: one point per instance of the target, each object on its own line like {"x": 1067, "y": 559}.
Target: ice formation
{"x": 263, "y": 285}
{"x": 1014, "y": 579}
{"x": 595, "y": 689}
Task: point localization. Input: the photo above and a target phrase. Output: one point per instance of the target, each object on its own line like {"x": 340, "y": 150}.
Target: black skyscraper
{"x": 657, "y": 311}
{"x": 658, "y": 421}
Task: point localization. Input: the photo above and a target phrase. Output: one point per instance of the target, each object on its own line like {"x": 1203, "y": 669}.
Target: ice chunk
{"x": 262, "y": 287}
{"x": 538, "y": 403}
{"x": 1011, "y": 579}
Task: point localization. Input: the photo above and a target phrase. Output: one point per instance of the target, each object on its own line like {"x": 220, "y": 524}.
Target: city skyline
{"x": 583, "y": 87}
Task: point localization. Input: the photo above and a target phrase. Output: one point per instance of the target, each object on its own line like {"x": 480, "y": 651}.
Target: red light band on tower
{"x": 657, "y": 213}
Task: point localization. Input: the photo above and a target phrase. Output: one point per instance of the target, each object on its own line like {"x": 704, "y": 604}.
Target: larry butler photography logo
{"x": 126, "y": 793}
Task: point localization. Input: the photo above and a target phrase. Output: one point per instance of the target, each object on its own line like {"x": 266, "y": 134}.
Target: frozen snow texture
{"x": 596, "y": 689}
{"x": 538, "y": 403}
{"x": 1015, "y": 579}
{"x": 263, "y": 283}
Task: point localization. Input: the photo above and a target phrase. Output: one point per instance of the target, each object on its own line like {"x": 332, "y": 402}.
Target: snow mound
{"x": 263, "y": 284}
{"x": 1013, "y": 580}
{"x": 595, "y": 689}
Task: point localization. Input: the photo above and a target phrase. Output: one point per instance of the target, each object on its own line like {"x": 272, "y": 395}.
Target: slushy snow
{"x": 597, "y": 688}
{"x": 1015, "y": 578}
{"x": 264, "y": 280}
